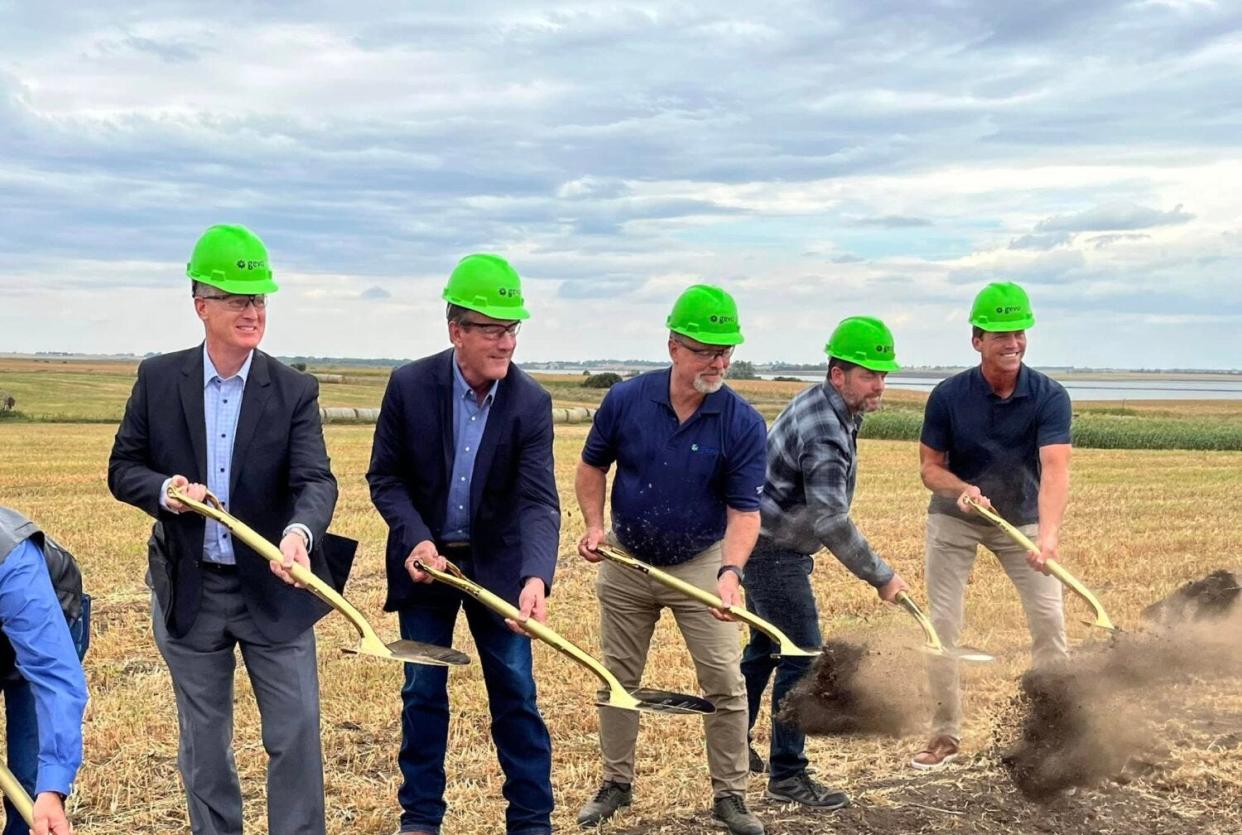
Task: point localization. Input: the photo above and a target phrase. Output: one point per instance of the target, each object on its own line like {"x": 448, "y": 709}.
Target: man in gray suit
{"x": 228, "y": 418}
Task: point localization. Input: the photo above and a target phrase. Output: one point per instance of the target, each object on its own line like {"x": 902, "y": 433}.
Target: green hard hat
{"x": 865, "y": 341}
{"x": 707, "y": 314}
{"x": 233, "y": 259}
{"x": 1002, "y": 306}
{"x": 486, "y": 284}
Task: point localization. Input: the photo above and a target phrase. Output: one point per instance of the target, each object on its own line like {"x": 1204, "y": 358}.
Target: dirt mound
{"x": 1083, "y": 721}
{"x": 1214, "y": 596}
{"x": 850, "y": 690}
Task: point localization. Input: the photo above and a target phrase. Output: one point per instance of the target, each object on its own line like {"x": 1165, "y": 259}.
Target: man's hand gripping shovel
{"x": 785, "y": 646}
{"x": 1068, "y": 580}
{"x": 369, "y": 643}
{"x": 642, "y": 699}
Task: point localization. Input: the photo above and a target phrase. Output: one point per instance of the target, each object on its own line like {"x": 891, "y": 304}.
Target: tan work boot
{"x": 941, "y": 751}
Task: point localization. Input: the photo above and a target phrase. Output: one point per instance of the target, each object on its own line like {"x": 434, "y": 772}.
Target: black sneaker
{"x": 610, "y": 797}
{"x": 757, "y": 765}
{"x": 730, "y": 812}
{"x": 800, "y": 788}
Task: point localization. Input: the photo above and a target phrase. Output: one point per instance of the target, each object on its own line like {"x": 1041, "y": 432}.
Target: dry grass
{"x": 1140, "y": 523}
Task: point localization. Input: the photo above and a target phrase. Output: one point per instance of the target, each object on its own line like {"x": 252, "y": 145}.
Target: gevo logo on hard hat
{"x": 1013, "y": 308}
{"x": 717, "y": 318}
{"x": 243, "y": 264}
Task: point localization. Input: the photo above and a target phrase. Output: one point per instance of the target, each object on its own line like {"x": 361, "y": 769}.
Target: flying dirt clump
{"x": 852, "y": 689}
{"x": 1083, "y": 720}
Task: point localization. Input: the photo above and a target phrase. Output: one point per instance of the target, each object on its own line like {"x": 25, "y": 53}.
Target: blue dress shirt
{"x": 222, "y": 401}
{"x": 469, "y": 421}
{"x": 34, "y": 624}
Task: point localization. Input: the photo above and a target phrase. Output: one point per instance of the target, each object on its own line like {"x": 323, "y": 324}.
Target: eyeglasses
{"x": 491, "y": 331}
{"x": 708, "y": 354}
{"x": 239, "y": 303}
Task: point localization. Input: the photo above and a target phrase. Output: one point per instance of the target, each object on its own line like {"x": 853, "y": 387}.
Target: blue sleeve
{"x": 1055, "y": 414}
{"x": 539, "y": 503}
{"x": 600, "y": 449}
{"x": 937, "y": 428}
{"x": 748, "y": 464}
{"x": 34, "y": 624}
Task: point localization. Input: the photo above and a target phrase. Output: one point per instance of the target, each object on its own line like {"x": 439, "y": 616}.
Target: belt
{"x": 455, "y": 546}
{"x": 217, "y": 567}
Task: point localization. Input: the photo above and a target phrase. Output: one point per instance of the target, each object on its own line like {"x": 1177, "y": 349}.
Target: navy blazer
{"x": 515, "y": 514}
{"x": 279, "y": 474}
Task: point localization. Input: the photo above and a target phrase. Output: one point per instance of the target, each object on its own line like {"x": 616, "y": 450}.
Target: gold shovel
{"x": 1068, "y": 580}
{"x": 933, "y": 645}
{"x": 652, "y": 701}
{"x": 786, "y": 647}
{"x": 17, "y": 795}
{"x": 369, "y": 643}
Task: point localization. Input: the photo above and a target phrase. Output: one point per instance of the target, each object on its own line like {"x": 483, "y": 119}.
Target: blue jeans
{"x": 21, "y": 724}
{"x": 523, "y": 745}
{"x": 778, "y": 589}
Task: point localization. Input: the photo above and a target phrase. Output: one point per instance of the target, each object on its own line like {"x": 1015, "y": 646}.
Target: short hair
{"x": 845, "y": 365}
{"x": 976, "y": 332}
{"x": 194, "y": 288}
{"x": 455, "y": 312}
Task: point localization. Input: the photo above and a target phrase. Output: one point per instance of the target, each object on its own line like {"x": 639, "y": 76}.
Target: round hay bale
{"x": 338, "y": 414}
{"x": 330, "y": 378}
{"x": 579, "y": 414}
{"x": 7, "y": 402}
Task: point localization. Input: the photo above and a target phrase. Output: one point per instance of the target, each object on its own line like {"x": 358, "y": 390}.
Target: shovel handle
{"x": 16, "y": 795}
{"x": 933, "y": 640}
{"x": 453, "y": 576}
{"x": 741, "y": 613}
{"x": 1054, "y": 568}
{"x": 211, "y": 508}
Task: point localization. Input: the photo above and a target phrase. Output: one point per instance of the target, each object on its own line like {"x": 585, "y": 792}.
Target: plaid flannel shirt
{"x": 812, "y": 465}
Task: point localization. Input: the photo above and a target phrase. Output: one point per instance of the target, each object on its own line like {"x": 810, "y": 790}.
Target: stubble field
{"x": 1140, "y": 524}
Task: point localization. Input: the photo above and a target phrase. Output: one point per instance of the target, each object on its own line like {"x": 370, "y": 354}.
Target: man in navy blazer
{"x": 461, "y": 470}
{"x": 225, "y": 416}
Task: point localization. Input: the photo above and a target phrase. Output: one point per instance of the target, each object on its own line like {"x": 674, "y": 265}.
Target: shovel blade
{"x": 413, "y": 652}
{"x": 795, "y": 652}
{"x": 645, "y": 700}
{"x": 968, "y": 654}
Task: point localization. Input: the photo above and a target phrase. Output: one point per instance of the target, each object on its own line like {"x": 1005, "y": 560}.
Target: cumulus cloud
{"x": 616, "y": 153}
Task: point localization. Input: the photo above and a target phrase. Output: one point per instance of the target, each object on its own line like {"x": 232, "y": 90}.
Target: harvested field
{"x": 1138, "y": 528}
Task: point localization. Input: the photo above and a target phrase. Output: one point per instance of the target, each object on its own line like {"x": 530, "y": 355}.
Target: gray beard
{"x": 703, "y": 387}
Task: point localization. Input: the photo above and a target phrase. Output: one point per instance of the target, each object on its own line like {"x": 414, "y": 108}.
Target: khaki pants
{"x": 952, "y": 546}
{"x": 630, "y": 605}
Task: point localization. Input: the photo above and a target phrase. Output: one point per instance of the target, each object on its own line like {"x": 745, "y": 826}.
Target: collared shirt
{"x": 35, "y": 625}
{"x": 994, "y": 443}
{"x": 469, "y": 421}
{"x": 675, "y": 480}
{"x": 222, "y": 401}
{"x": 812, "y": 470}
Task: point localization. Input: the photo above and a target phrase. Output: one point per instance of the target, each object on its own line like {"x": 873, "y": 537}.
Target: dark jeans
{"x": 21, "y": 724}
{"x": 778, "y": 589}
{"x": 522, "y": 742}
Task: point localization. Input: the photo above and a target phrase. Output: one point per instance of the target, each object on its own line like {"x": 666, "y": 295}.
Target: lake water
{"x": 1226, "y": 388}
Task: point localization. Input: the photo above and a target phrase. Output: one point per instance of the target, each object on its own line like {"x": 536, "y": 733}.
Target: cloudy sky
{"x": 817, "y": 159}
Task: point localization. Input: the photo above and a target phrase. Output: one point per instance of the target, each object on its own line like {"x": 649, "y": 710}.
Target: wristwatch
{"x": 741, "y": 575}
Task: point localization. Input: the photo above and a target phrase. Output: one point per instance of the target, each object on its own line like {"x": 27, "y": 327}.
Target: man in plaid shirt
{"x": 812, "y": 466}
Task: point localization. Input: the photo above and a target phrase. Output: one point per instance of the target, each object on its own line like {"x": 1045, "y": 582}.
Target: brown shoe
{"x": 941, "y": 751}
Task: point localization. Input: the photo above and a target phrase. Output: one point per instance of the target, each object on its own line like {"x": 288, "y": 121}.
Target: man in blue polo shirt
{"x": 690, "y": 468}
{"x": 998, "y": 434}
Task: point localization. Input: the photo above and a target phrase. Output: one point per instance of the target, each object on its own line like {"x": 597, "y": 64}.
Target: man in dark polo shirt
{"x": 998, "y": 433}
{"x": 690, "y": 467}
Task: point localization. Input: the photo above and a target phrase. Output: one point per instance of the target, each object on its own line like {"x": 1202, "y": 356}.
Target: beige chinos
{"x": 630, "y": 606}
{"x": 952, "y": 546}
